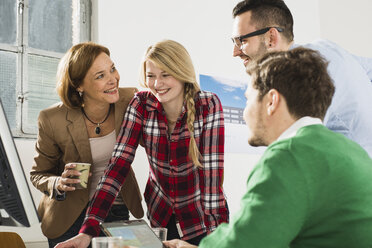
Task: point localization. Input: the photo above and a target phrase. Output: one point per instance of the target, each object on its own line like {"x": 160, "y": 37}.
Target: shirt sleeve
{"x": 212, "y": 171}
{"x": 117, "y": 170}
{"x": 349, "y": 112}
{"x": 366, "y": 63}
{"x": 272, "y": 209}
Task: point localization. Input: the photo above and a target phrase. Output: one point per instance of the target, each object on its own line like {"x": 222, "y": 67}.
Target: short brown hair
{"x": 300, "y": 75}
{"x": 268, "y": 13}
{"x": 72, "y": 70}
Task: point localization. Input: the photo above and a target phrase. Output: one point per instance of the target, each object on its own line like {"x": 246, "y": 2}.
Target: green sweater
{"x": 311, "y": 190}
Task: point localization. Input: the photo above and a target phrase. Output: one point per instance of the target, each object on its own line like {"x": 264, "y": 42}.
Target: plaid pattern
{"x": 175, "y": 184}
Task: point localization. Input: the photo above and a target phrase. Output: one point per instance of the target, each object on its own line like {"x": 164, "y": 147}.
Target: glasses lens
{"x": 237, "y": 42}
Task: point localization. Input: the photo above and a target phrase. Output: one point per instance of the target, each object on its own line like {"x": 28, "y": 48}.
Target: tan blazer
{"x": 63, "y": 138}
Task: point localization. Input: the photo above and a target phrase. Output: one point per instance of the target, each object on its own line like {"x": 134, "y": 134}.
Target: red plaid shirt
{"x": 175, "y": 185}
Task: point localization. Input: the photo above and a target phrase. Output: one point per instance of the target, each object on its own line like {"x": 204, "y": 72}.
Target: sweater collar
{"x": 302, "y": 122}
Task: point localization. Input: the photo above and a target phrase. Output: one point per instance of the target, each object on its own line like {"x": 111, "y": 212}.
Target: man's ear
{"x": 273, "y": 99}
{"x": 272, "y": 38}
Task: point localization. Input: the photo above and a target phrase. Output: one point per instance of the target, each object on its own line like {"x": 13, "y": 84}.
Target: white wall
{"x": 348, "y": 23}
{"x": 204, "y": 28}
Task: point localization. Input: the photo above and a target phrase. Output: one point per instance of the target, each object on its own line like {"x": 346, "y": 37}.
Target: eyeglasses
{"x": 238, "y": 41}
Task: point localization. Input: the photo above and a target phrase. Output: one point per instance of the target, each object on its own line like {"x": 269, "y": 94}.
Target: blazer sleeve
{"x": 46, "y": 168}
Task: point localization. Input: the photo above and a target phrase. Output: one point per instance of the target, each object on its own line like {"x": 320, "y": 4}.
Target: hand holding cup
{"x": 75, "y": 176}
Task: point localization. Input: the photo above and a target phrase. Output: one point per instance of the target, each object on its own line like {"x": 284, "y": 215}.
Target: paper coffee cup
{"x": 83, "y": 168}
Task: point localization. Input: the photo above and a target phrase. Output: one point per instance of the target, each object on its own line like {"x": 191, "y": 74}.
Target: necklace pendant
{"x": 98, "y": 130}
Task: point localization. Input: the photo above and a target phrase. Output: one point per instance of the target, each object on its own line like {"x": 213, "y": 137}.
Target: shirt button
{"x": 171, "y": 160}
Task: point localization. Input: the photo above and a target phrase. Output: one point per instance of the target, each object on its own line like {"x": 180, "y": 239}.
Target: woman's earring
{"x": 81, "y": 98}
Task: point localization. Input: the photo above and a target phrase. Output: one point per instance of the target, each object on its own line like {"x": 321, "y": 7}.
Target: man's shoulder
{"x": 330, "y": 50}
{"x": 320, "y": 44}
{"x": 305, "y": 138}
{"x": 318, "y": 140}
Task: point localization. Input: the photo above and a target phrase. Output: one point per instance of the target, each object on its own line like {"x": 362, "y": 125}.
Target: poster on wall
{"x": 231, "y": 94}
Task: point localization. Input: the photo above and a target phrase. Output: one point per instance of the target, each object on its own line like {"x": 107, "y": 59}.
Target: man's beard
{"x": 260, "y": 52}
{"x": 258, "y": 138}
{"x": 256, "y": 141}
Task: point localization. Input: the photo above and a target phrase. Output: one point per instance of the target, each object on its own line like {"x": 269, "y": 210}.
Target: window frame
{"x": 82, "y": 11}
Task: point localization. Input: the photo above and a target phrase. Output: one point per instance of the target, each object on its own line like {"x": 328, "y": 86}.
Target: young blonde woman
{"x": 182, "y": 131}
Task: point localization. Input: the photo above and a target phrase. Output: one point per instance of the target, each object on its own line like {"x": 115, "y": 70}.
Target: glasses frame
{"x": 254, "y": 33}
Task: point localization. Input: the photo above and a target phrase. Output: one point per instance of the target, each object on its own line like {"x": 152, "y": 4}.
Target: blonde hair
{"x": 171, "y": 57}
{"x": 72, "y": 70}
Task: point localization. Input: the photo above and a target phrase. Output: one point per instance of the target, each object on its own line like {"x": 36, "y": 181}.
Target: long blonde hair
{"x": 173, "y": 58}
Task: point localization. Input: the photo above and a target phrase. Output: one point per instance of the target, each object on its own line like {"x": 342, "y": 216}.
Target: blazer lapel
{"x": 79, "y": 134}
{"x": 119, "y": 113}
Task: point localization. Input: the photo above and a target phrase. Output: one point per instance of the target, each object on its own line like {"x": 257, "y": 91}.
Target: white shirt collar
{"x": 302, "y": 122}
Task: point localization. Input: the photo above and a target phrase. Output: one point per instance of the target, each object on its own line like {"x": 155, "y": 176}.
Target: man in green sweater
{"x": 312, "y": 187}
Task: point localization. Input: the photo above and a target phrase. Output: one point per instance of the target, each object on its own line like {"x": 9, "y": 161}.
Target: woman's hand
{"x": 68, "y": 178}
{"x": 79, "y": 241}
